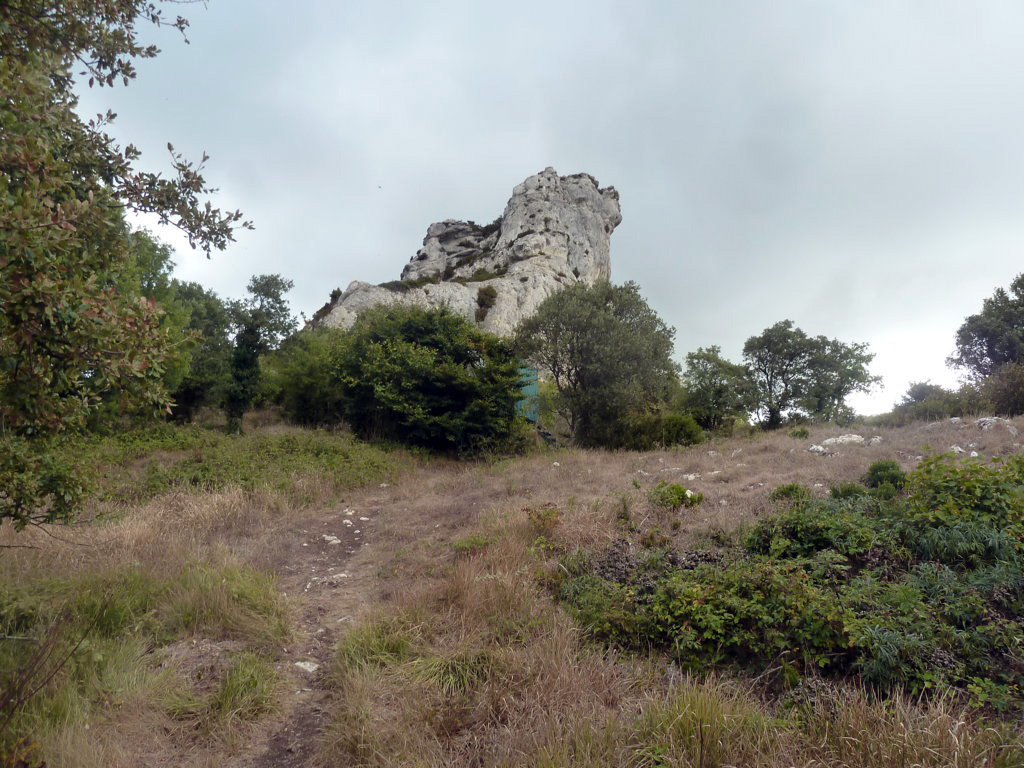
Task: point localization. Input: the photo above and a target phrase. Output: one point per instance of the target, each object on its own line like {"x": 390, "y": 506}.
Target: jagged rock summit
{"x": 555, "y": 231}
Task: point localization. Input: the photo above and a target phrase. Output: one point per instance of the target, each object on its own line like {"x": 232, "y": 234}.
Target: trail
{"x": 329, "y": 564}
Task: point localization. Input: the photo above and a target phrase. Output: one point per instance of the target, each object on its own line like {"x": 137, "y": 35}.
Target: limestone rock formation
{"x": 555, "y": 230}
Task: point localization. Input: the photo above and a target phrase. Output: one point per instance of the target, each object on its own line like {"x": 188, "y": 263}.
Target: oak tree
{"x": 68, "y": 336}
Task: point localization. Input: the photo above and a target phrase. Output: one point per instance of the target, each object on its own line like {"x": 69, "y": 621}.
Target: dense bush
{"x": 429, "y": 378}
{"x": 885, "y": 471}
{"x": 609, "y": 355}
{"x": 660, "y": 428}
{"x": 1005, "y": 389}
{"x": 924, "y": 401}
{"x": 302, "y": 377}
{"x": 923, "y": 590}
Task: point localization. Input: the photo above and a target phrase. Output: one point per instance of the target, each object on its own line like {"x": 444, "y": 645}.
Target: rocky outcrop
{"x": 555, "y": 230}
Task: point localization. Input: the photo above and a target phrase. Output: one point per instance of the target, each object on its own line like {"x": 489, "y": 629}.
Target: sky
{"x": 856, "y": 167}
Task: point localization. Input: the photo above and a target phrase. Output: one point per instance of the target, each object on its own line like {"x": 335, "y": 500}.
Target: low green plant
{"x": 544, "y": 518}
{"x": 247, "y": 690}
{"x": 921, "y": 591}
{"x": 472, "y": 544}
{"x": 137, "y": 465}
{"x": 673, "y": 496}
{"x": 799, "y": 433}
{"x": 793, "y": 493}
{"x": 377, "y": 643}
{"x": 885, "y": 471}
{"x": 454, "y": 674}
{"x": 847, "y": 491}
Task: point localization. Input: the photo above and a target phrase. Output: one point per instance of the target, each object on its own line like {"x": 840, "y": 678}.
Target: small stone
{"x": 974, "y": 454}
{"x": 307, "y": 666}
{"x": 364, "y": 519}
{"x": 555, "y": 464}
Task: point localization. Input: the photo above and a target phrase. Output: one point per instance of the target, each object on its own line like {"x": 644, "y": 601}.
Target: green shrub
{"x": 544, "y": 518}
{"x": 799, "y": 433}
{"x": 429, "y": 378}
{"x": 921, "y": 591}
{"x": 791, "y": 492}
{"x": 301, "y": 377}
{"x": 673, "y": 496}
{"x": 660, "y": 428}
{"x": 808, "y": 528}
{"x": 847, "y": 491}
{"x": 1005, "y": 389}
{"x": 885, "y": 471}
{"x": 472, "y": 544}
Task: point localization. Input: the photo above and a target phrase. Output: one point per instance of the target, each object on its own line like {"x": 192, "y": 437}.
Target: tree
{"x": 608, "y": 353}
{"x": 261, "y": 321}
{"x": 794, "y": 374}
{"x": 715, "y": 389}
{"x": 209, "y": 372}
{"x": 995, "y": 336}
{"x": 1005, "y": 389}
{"x": 68, "y": 337}
{"x": 429, "y": 378}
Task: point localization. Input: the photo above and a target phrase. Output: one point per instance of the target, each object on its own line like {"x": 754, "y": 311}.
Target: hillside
{"x": 399, "y": 615}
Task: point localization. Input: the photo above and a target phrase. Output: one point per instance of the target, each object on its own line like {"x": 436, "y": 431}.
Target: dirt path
{"x": 329, "y": 565}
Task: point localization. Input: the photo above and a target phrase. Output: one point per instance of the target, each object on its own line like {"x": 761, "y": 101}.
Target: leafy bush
{"x": 810, "y": 527}
{"x": 544, "y": 518}
{"x": 660, "y": 428}
{"x": 673, "y": 496}
{"x": 485, "y": 299}
{"x": 1005, "y": 389}
{"x": 799, "y": 433}
{"x": 847, "y": 491}
{"x": 792, "y": 492}
{"x": 301, "y": 377}
{"x": 922, "y": 591}
{"x": 429, "y": 378}
{"x": 924, "y": 401}
{"x": 885, "y": 471}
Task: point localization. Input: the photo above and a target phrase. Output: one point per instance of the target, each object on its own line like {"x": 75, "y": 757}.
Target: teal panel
{"x": 529, "y": 386}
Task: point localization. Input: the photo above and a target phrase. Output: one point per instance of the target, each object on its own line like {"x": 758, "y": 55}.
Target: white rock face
{"x": 555, "y": 230}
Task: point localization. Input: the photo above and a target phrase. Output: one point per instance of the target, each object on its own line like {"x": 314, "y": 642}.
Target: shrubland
{"x": 567, "y": 607}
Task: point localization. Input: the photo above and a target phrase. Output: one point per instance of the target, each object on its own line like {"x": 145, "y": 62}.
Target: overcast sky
{"x": 857, "y": 167}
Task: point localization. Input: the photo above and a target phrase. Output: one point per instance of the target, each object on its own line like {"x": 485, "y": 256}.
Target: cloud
{"x": 853, "y": 166}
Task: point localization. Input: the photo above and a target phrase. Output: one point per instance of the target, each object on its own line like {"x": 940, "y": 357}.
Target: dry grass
{"x": 477, "y": 666}
{"x": 489, "y": 670}
{"x": 492, "y": 673}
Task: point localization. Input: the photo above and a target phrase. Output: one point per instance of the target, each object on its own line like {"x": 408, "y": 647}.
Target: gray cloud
{"x": 856, "y": 167}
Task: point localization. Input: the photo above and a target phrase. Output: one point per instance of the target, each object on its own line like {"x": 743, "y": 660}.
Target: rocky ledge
{"x": 555, "y": 230}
